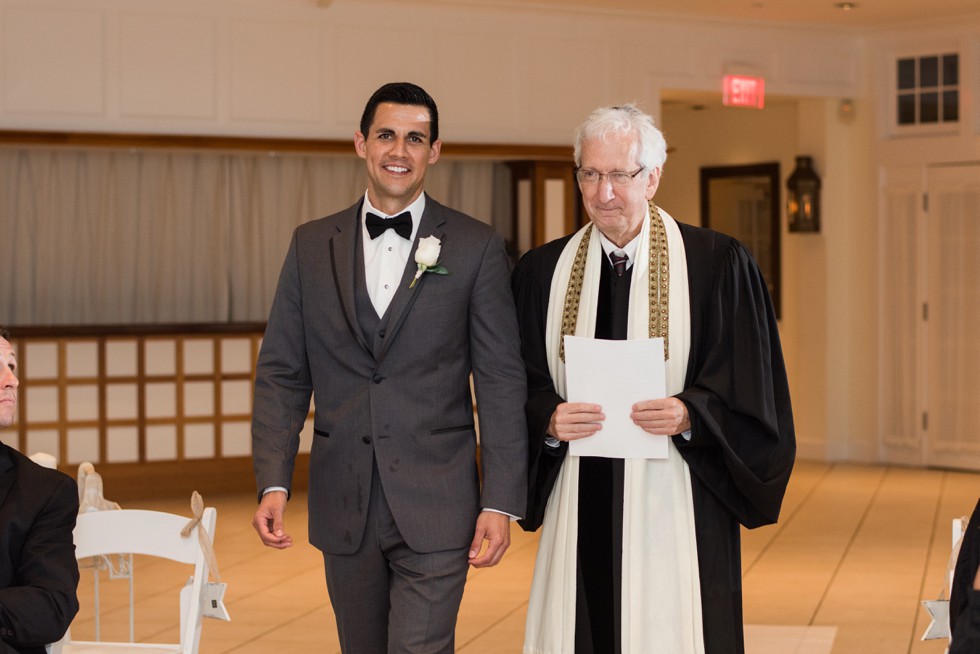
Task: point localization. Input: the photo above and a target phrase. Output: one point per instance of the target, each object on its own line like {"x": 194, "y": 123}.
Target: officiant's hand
{"x": 573, "y": 420}
{"x": 663, "y": 417}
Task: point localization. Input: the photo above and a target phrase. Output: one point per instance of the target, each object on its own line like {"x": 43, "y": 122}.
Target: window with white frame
{"x": 928, "y": 90}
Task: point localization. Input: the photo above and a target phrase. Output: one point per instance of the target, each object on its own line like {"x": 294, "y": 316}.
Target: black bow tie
{"x": 402, "y": 224}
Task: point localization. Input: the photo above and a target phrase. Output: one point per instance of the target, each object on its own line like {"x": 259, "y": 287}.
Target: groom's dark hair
{"x": 402, "y": 93}
{"x": 4, "y": 334}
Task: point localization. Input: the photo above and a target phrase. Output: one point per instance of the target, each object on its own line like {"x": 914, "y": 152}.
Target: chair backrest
{"x": 151, "y": 533}
{"x": 135, "y": 531}
{"x": 44, "y": 459}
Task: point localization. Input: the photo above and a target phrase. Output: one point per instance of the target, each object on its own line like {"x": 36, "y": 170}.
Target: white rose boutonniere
{"x": 427, "y": 258}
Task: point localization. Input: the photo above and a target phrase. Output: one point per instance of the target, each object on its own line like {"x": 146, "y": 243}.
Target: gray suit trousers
{"x": 416, "y": 595}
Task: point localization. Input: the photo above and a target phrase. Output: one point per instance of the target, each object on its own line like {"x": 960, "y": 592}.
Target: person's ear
{"x": 360, "y": 143}
{"x": 653, "y": 182}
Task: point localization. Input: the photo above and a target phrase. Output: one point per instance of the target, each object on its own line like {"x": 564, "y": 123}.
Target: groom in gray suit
{"x": 385, "y": 335}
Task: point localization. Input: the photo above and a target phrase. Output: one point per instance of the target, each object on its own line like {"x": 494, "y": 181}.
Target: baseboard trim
{"x": 142, "y": 481}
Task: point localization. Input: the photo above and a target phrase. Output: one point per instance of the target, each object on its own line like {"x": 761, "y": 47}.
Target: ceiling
{"x": 866, "y": 14}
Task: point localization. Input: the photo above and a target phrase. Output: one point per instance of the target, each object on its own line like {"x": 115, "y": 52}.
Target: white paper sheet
{"x": 616, "y": 375}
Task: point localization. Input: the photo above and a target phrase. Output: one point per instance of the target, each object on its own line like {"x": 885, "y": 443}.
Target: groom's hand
{"x": 494, "y": 528}
{"x": 268, "y": 520}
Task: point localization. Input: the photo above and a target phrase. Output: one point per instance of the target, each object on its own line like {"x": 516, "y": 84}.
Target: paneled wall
{"x": 178, "y": 398}
{"x": 510, "y": 74}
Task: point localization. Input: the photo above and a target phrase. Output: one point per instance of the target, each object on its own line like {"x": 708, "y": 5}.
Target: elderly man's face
{"x": 8, "y": 384}
{"x": 617, "y": 211}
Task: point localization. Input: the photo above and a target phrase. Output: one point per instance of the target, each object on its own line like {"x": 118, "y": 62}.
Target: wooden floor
{"x": 856, "y": 550}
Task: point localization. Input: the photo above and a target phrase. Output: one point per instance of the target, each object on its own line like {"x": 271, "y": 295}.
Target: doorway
{"x": 930, "y": 297}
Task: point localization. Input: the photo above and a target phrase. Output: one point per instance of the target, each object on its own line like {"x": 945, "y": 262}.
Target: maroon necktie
{"x": 619, "y": 259}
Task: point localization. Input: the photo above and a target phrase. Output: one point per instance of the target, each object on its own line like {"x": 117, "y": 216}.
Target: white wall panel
{"x": 274, "y": 68}
{"x": 121, "y": 356}
{"x": 236, "y": 439}
{"x": 275, "y": 71}
{"x": 653, "y": 48}
{"x": 122, "y": 445}
{"x": 161, "y": 443}
{"x": 489, "y": 104}
{"x": 199, "y": 398}
{"x": 160, "y": 357}
{"x": 54, "y": 61}
{"x": 236, "y": 397}
{"x": 160, "y": 54}
{"x": 362, "y": 60}
{"x": 42, "y": 404}
{"x": 716, "y": 60}
{"x": 161, "y": 400}
{"x": 198, "y": 356}
{"x": 122, "y": 401}
{"x": 41, "y": 440}
{"x": 563, "y": 82}
{"x": 82, "y": 359}
{"x": 82, "y": 402}
{"x": 236, "y": 355}
{"x": 44, "y": 359}
{"x": 199, "y": 441}
{"x": 830, "y": 72}
{"x": 83, "y": 445}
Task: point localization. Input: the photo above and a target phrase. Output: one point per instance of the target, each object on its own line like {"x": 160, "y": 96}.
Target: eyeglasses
{"x": 616, "y": 177}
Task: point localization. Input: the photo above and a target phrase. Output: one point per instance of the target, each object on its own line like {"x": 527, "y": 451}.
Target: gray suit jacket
{"x": 401, "y": 397}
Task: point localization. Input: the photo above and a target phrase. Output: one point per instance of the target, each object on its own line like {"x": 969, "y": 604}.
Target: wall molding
{"x": 496, "y": 151}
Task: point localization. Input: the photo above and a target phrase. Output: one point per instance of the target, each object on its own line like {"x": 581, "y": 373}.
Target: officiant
{"x": 643, "y": 555}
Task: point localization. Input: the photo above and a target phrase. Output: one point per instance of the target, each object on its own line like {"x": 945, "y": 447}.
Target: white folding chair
{"x": 44, "y": 459}
{"x": 149, "y": 533}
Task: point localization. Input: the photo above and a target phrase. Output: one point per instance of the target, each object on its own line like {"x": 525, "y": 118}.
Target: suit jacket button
{"x": 377, "y": 379}
{"x": 381, "y": 333}
{"x": 366, "y": 439}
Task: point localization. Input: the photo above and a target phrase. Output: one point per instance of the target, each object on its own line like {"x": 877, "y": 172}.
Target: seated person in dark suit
{"x": 38, "y": 570}
{"x": 964, "y": 599}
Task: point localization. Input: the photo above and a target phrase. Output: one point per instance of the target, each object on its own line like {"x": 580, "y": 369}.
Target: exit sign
{"x": 743, "y": 91}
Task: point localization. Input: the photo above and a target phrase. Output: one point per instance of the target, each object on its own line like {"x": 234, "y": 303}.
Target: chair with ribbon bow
{"x": 163, "y": 535}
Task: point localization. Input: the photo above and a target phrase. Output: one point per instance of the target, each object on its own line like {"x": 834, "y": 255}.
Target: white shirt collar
{"x": 630, "y": 248}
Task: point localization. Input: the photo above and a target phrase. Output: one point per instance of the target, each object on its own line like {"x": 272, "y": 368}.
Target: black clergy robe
{"x": 964, "y": 600}
{"x": 742, "y": 444}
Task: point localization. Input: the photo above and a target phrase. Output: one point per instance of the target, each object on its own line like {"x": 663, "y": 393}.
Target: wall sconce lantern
{"x": 803, "y": 199}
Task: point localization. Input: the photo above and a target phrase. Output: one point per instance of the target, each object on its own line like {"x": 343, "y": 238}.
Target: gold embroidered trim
{"x": 659, "y": 280}
{"x": 659, "y": 285}
{"x": 573, "y": 293}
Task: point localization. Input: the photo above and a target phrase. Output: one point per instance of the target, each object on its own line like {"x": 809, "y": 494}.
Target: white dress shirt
{"x": 385, "y": 257}
{"x": 630, "y": 248}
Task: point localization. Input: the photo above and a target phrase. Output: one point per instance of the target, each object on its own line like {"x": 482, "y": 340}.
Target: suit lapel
{"x": 343, "y": 260}
{"x": 6, "y": 478}
{"x": 432, "y": 224}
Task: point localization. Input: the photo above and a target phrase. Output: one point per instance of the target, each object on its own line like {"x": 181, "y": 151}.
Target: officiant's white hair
{"x": 606, "y": 122}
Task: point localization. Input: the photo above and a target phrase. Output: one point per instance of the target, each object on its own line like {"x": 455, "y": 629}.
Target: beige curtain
{"x": 100, "y": 236}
